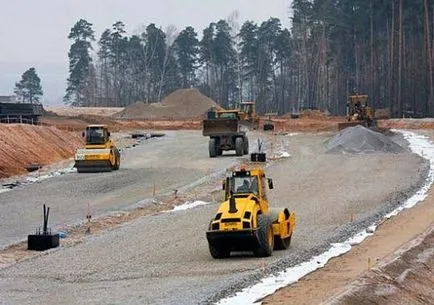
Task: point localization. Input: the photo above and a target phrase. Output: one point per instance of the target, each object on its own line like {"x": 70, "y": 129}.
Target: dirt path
{"x": 339, "y": 272}
{"x": 324, "y": 285}
{"x": 164, "y": 259}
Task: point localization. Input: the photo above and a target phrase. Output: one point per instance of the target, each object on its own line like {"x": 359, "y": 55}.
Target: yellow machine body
{"x": 244, "y": 220}
{"x": 358, "y": 112}
{"x": 99, "y": 154}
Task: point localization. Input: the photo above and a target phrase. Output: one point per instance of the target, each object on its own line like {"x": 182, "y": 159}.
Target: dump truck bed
{"x": 217, "y": 127}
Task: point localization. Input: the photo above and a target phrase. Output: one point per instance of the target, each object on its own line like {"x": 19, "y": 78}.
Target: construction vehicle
{"x": 100, "y": 153}
{"x": 248, "y": 114}
{"x": 244, "y": 221}
{"x": 358, "y": 112}
{"x": 224, "y": 131}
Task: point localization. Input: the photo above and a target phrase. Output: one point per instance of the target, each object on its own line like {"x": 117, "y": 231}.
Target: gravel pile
{"x": 181, "y": 104}
{"x": 359, "y": 139}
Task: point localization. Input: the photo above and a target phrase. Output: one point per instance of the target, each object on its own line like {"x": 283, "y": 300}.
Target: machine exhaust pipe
{"x": 232, "y": 205}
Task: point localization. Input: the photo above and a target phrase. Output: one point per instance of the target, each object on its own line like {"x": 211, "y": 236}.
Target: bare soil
{"x": 181, "y": 104}
{"x": 23, "y": 145}
{"x": 77, "y": 111}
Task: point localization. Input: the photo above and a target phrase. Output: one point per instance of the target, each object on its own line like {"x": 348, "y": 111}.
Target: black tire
{"x": 246, "y": 146}
{"x": 239, "y": 146}
{"x": 265, "y": 237}
{"x": 212, "y": 147}
{"x": 117, "y": 160}
{"x": 219, "y": 251}
{"x": 268, "y": 126}
{"x": 282, "y": 243}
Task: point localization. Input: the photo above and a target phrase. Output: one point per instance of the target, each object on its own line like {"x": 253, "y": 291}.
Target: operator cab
{"x": 96, "y": 135}
{"x": 243, "y": 183}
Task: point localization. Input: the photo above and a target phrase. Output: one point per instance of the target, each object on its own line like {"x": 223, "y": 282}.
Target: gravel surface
{"x": 359, "y": 139}
{"x": 164, "y": 259}
{"x": 170, "y": 162}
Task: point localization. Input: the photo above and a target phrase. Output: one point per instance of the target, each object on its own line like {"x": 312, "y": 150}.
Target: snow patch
{"x": 420, "y": 145}
{"x": 189, "y": 205}
{"x": 282, "y": 154}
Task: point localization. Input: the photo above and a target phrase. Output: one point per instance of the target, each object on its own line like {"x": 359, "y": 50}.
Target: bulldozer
{"x": 244, "y": 221}
{"x": 358, "y": 112}
{"x": 100, "y": 153}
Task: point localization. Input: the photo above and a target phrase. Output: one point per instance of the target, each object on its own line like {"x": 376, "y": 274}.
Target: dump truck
{"x": 358, "y": 112}
{"x": 224, "y": 131}
{"x": 244, "y": 221}
{"x": 100, "y": 153}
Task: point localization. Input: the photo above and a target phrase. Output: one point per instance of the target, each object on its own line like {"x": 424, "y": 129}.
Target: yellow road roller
{"x": 244, "y": 220}
{"x": 100, "y": 153}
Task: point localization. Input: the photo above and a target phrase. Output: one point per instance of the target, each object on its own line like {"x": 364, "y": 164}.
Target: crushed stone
{"x": 358, "y": 139}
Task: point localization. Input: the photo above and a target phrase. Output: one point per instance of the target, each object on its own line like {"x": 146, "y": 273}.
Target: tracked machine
{"x": 244, "y": 220}
{"x": 358, "y": 112}
{"x": 100, "y": 153}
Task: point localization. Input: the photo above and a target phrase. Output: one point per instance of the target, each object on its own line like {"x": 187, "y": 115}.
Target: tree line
{"x": 334, "y": 48}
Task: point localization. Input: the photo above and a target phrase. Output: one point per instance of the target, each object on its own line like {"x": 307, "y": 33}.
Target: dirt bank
{"x": 22, "y": 145}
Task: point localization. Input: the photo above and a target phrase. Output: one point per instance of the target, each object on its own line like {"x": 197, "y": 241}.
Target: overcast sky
{"x": 33, "y": 32}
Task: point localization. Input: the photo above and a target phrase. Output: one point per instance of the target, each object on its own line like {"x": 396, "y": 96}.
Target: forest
{"x": 334, "y": 48}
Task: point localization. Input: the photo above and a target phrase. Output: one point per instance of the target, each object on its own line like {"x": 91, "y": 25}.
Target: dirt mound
{"x": 405, "y": 278}
{"x": 359, "y": 139}
{"x": 181, "y": 104}
{"x": 77, "y": 111}
{"x": 22, "y": 145}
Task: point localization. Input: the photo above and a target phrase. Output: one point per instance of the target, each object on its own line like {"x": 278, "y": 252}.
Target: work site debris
{"x": 359, "y": 139}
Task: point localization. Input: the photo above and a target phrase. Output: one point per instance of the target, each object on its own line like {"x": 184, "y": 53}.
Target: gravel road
{"x": 164, "y": 259}
{"x": 170, "y": 162}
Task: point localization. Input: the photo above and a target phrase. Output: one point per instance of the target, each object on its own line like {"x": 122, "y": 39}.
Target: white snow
{"x": 420, "y": 145}
{"x": 282, "y": 154}
{"x": 189, "y": 205}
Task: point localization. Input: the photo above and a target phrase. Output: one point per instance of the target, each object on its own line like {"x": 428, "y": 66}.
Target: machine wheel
{"x": 117, "y": 160}
{"x": 282, "y": 243}
{"x": 265, "y": 237}
{"x": 246, "y": 146}
{"x": 219, "y": 252}
{"x": 212, "y": 148}
{"x": 239, "y": 146}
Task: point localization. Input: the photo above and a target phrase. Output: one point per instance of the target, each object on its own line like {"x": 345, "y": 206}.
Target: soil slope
{"x": 22, "y": 145}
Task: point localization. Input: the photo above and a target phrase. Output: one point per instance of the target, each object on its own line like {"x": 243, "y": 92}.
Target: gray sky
{"x": 33, "y": 32}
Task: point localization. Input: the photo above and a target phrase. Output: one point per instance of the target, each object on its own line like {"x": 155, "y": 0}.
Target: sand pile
{"x": 181, "y": 104}
{"x": 359, "y": 139}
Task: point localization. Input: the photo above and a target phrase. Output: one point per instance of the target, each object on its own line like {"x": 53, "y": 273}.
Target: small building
{"x": 8, "y": 99}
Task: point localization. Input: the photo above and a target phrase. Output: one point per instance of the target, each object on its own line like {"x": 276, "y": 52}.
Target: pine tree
{"x": 80, "y": 65}
{"x": 29, "y": 89}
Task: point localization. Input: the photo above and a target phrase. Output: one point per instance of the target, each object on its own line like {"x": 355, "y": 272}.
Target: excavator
{"x": 244, "y": 221}
{"x": 358, "y": 112}
{"x": 100, "y": 153}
